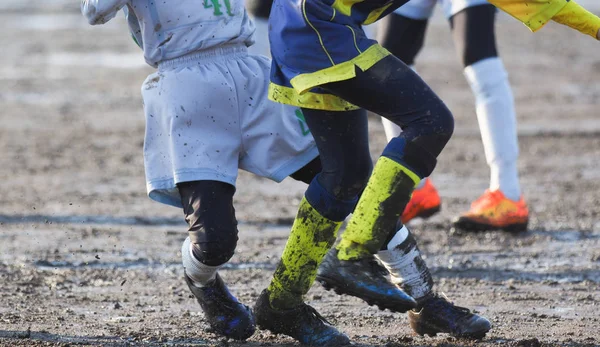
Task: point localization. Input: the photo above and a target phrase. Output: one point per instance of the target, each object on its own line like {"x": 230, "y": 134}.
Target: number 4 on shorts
{"x": 217, "y": 7}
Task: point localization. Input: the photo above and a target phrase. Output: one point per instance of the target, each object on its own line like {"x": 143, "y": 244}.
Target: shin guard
{"x": 383, "y": 200}
{"x": 311, "y": 237}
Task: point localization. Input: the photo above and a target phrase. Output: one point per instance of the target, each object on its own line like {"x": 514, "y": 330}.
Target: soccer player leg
{"x": 428, "y": 124}
{"x": 342, "y": 139}
{"x": 501, "y": 206}
{"x": 308, "y": 172}
{"x": 209, "y": 212}
{"x": 434, "y": 313}
{"x": 260, "y": 11}
{"x": 393, "y": 90}
{"x": 276, "y": 143}
{"x": 427, "y": 127}
{"x": 403, "y": 34}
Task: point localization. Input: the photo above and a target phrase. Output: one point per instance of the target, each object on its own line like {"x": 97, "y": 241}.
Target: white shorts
{"x": 423, "y": 9}
{"x": 207, "y": 114}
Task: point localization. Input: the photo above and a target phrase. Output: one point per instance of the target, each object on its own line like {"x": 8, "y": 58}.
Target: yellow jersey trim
{"x": 375, "y": 15}
{"x": 340, "y": 72}
{"x": 344, "y": 6}
{"x": 317, "y": 101}
{"x": 533, "y": 13}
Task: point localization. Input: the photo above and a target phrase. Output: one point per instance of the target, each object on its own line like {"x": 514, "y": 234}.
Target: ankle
{"x": 348, "y": 251}
{"x": 281, "y": 299}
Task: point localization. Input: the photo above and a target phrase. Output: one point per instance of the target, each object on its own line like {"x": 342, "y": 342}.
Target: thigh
{"x": 189, "y": 112}
{"x": 188, "y": 133}
{"x": 343, "y": 142}
{"x": 392, "y": 90}
{"x": 473, "y": 33}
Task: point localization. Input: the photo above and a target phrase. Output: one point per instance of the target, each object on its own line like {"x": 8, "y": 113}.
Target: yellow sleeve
{"x": 580, "y": 19}
{"x": 533, "y": 13}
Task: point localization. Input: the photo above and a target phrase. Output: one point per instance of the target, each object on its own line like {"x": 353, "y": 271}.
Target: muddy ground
{"x": 87, "y": 259}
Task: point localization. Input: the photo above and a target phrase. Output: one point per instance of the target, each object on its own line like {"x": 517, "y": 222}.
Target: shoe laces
{"x": 375, "y": 267}
{"x": 441, "y": 301}
{"x": 313, "y": 314}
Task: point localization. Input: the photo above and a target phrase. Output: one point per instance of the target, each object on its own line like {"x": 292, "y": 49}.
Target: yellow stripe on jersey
{"x": 316, "y": 101}
{"x": 375, "y": 15}
{"x": 345, "y": 6}
{"x": 533, "y": 13}
{"x": 340, "y": 72}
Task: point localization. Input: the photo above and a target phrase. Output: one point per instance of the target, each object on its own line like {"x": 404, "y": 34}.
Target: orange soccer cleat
{"x": 424, "y": 203}
{"x": 494, "y": 211}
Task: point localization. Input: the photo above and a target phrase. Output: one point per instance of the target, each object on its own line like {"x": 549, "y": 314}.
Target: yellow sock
{"x": 381, "y": 204}
{"x": 311, "y": 238}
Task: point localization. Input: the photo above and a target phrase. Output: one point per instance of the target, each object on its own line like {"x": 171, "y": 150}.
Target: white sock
{"x": 497, "y": 119}
{"x": 261, "y": 38}
{"x": 199, "y": 273}
{"x": 392, "y": 130}
{"x": 403, "y": 260}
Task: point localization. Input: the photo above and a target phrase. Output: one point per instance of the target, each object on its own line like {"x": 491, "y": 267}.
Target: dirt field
{"x": 87, "y": 259}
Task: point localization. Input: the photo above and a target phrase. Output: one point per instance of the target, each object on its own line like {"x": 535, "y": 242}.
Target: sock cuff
{"x": 485, "y": 72}
{"x": 421, "y": 163}
{"x": 326, "y": 204}
{"x": 199, "y": 273}
{"x": 400, "y": 236}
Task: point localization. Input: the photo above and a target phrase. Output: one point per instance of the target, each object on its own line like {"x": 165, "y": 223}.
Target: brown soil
{"x": 87, "y": 259}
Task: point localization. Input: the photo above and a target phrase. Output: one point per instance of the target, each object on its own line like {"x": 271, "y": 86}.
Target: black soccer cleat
{"x": 437, "y": 314}
{"x": 225, "y": 314}
{"x": 365, "y": 279}
{"x": 303, "y": 323}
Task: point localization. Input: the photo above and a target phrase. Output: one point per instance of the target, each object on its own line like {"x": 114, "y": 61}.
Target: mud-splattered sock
{"x": 199, "y": 273}
{"x": 311, "y": 237}
{"x": 403, "y": 260}
{"x": 378, "y": 209}
{"x": 315, "y": 228}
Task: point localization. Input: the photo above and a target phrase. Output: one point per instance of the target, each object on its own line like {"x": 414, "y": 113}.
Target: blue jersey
{"x": 314, "y": 42}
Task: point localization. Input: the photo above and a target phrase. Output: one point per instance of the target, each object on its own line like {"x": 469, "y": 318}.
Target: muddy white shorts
{"x": 207, "y": 114}
{"x": 423, "y": 9}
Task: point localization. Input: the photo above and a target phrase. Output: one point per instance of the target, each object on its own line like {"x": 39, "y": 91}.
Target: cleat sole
{"x": 424, "y": 214}
{"x": 429, "y": 212}
{"x": 473, "y": 226}
{"x": 372, "y": 301}
{"x": 430, "y": 331}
